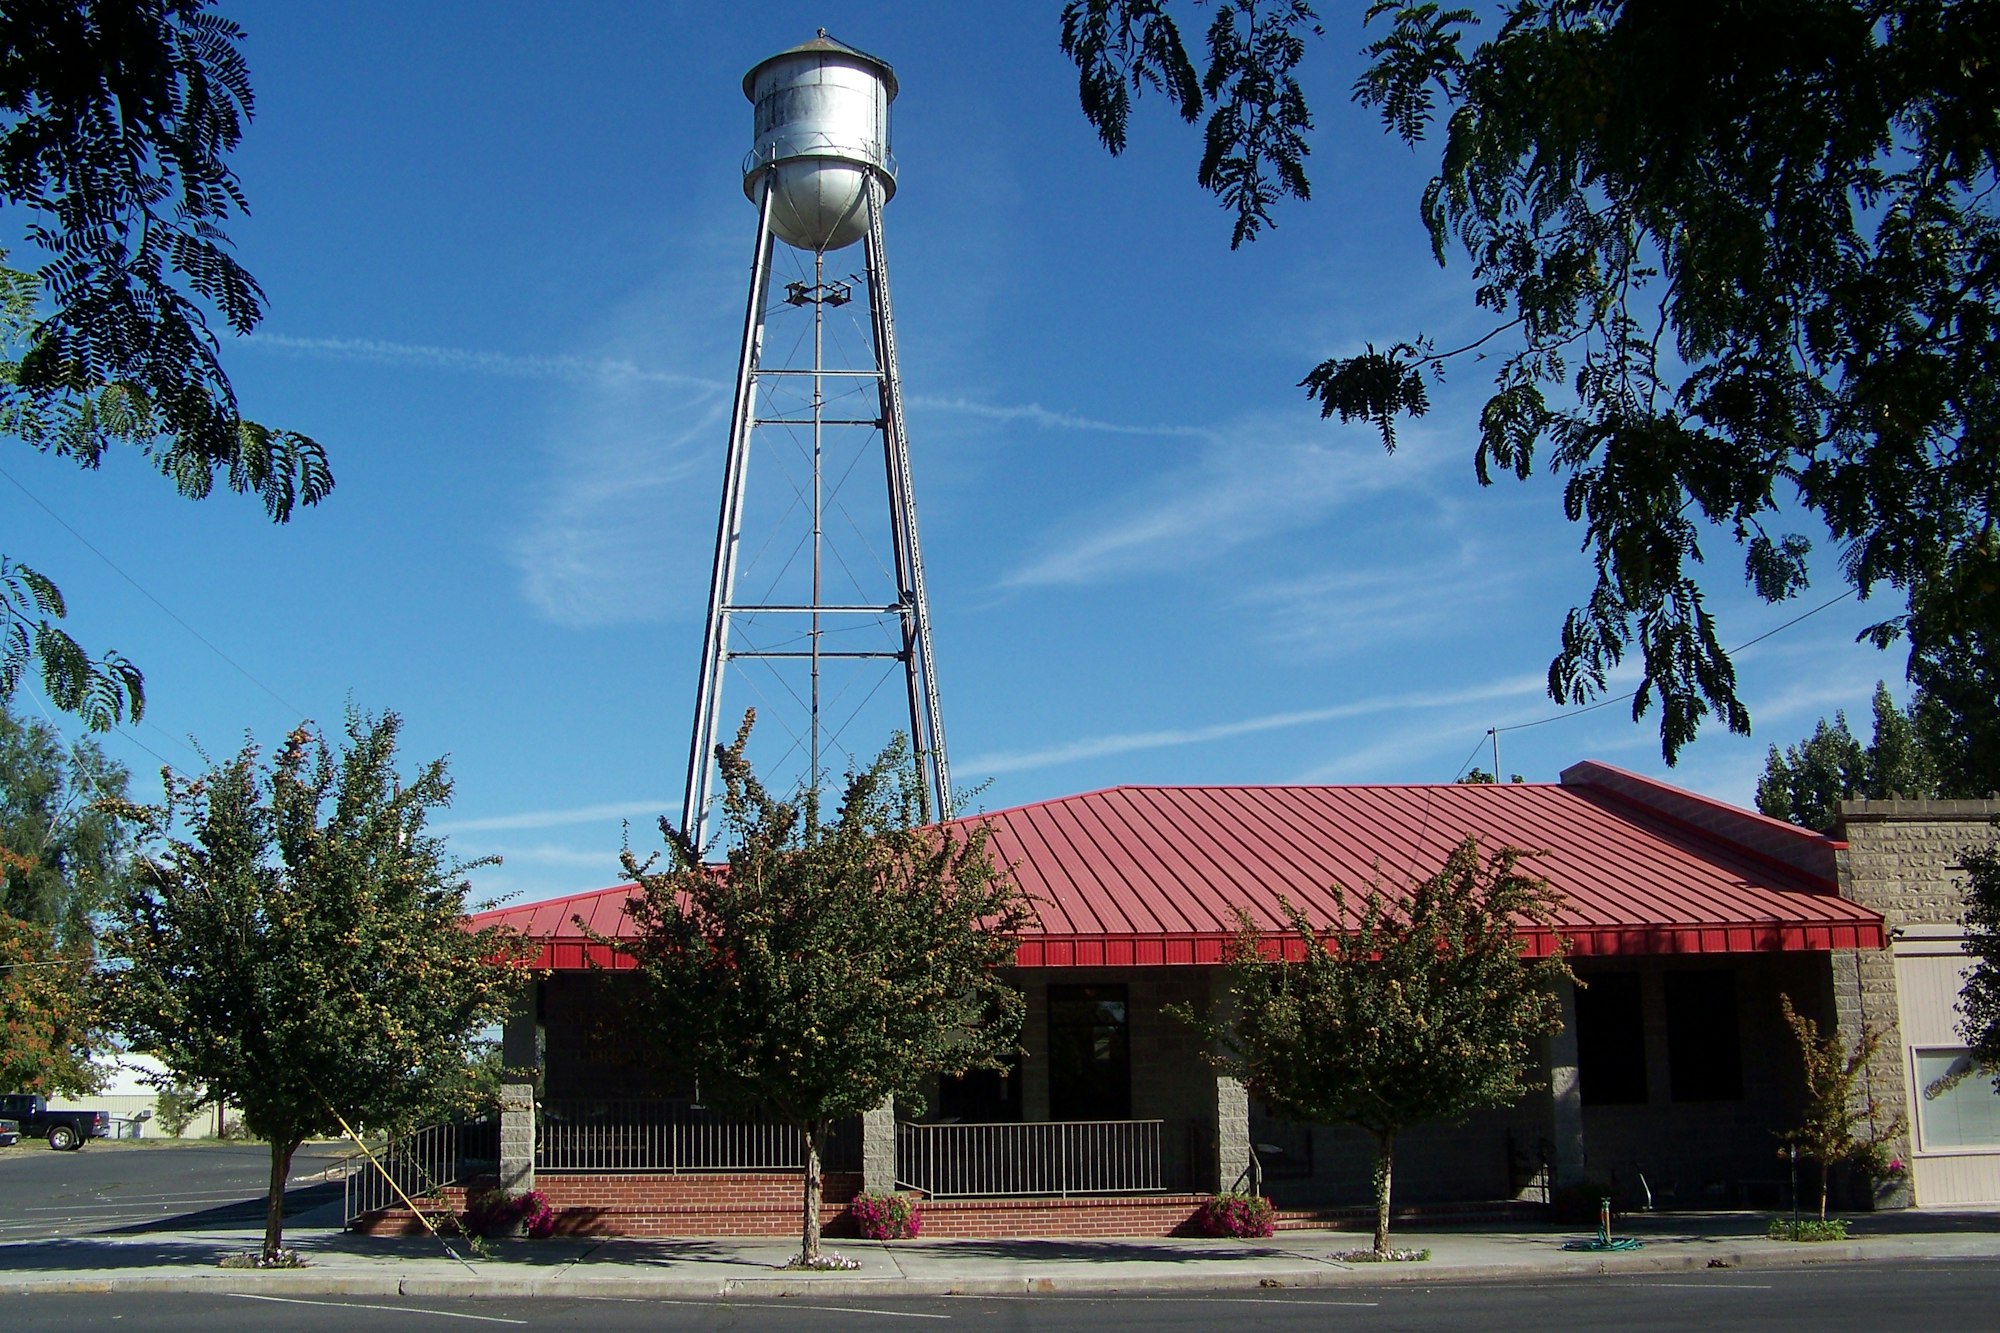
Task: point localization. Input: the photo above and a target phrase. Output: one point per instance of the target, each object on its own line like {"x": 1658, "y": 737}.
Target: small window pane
{"x": 1610, "y": 1039}
{"x": 1704, "y": 1050}
{"x": 1090, "y": 1053}
{"x": 1965, "y": 1115}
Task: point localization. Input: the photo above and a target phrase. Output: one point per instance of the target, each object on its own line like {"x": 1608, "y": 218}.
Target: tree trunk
{"x": 274, "y": 1203}
{"x": 1823, "y": 1173}
{"x": 1385, "y": 1153}
{"x": 809, "y": 1243}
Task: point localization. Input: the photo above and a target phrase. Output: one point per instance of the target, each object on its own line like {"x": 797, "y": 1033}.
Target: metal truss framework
{"x": 926, "y": 721}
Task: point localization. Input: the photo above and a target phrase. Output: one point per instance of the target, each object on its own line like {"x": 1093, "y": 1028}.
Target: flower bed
{"x": 497, "y": 1213}
{"x": 886, "y": 1216}
{"x": 1246, "y": 1216}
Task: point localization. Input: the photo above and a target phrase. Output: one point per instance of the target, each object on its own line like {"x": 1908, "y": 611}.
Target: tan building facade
{"x": 1904, "y": 860}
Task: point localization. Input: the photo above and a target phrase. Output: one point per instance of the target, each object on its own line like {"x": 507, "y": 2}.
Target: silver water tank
{"x": 822, "y": 116}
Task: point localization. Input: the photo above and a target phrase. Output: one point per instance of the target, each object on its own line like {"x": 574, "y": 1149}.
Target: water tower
{"x": 811, "y": 593}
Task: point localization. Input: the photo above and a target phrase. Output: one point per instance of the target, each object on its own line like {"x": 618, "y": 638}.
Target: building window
{"x": 1610, "y": 1039}
{"x": 981, "y": 1096}
{"x": 1956, "y": 1104}
{"x": 1090, "y": 1054}
{"x": 1704, "y": 1045}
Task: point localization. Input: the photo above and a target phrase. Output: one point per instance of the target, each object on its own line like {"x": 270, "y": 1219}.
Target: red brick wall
{"x": 768, "y": 1205}
{"x": 761, "y": 1204}
{"x": 987, "y": 1219}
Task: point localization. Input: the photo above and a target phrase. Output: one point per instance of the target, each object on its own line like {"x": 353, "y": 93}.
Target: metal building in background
{"x": 810, "y": 595}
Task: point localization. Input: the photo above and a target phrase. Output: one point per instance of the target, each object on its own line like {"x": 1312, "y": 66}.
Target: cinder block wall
{"x": 1901, "y": 861}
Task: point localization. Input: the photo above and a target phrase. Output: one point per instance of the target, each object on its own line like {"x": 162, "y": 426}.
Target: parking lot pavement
{"x": 120, "y": 1186}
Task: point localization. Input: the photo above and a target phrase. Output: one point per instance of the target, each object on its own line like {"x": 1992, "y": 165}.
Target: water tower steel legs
{"x": 926, "y": 718}
{"x": 926, "y": 714}
{"x": 728, "y": 535}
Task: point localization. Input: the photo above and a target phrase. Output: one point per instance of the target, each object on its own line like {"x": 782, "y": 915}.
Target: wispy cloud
{"x": 1036, "y": 415}
{"x": 535, "y": 819}
{"x": 1099, "y": 747}
{"x": 1360, "y": 607}
{"x": 1260, "y": 477}
{"x": 603, "y": 861}
{"x": 574, "y": 368}
{"x": 475, "y": 361}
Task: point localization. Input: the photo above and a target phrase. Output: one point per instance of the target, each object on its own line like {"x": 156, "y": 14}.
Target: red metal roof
{"x": 1137, "y": 876}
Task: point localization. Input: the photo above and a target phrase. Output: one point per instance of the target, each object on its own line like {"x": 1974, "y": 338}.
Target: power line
{"x": 240, "y": 669}
{"x": 1630, "y": 694}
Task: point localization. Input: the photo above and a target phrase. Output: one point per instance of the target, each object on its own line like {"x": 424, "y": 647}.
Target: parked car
{"x": 10, "y": 1133}
{"x": 65, "y": 1130}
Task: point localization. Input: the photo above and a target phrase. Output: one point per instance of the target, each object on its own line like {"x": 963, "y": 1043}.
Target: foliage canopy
{"x": 828, "y": 966}
{"x": 1736, "y": 261}
{"x": 1805, "y": 783}
{"x": 1426, "y": 1010}
{"x": 295, "y": 945}
{"x": 49, "y": 1025}
{"x": 1979, "y": 1001}
{"x": 116, "y": 119}
{"x": 65, "y": 851}
{"x": 63, "y": 855}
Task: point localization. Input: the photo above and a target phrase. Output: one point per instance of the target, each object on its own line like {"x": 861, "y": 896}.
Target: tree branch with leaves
{"x": 1741, "y": 263}
{"x": 116, "y": 121}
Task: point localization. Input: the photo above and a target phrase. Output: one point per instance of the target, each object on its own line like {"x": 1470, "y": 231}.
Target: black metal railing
{"x": 1053, "y": 1158}
{"x": 411, "y": 1165}
{"x": 673, "y": 1137}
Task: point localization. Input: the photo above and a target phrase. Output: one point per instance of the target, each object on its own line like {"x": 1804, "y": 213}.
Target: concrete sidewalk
{"x": 342, "y": 1264}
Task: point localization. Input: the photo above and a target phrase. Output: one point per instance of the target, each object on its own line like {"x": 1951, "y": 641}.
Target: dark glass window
{"x": 1611, "y": 1039}
{"x": 1704, "y": 1050}
{"x": 1090, "y": 1054}
{"x": 981, "y": 1097}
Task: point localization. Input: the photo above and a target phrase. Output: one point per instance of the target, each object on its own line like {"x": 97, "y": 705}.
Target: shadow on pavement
{"x": 237, "y": 1216}
{"x": 631, "y": 1250}
{"x": 86, "y": 1255}
{"x": 1100, "y": 1251}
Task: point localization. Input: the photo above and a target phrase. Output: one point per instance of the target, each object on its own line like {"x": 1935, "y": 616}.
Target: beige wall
{"x": 1902, "y": 860}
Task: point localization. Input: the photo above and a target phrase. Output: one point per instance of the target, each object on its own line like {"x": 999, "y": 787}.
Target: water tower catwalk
{"x": 813, "y": 599}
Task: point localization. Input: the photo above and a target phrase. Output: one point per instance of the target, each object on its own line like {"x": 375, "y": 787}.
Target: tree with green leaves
{"x": 828, "y": 966}
{"x": 67, "y": 852}
{"x": 1734, "y": 263}
{"x": 49, "y": 1021}
{"x": 1845, "y": 1123}
{"x": 64, "y": 854}
{"x": 116, "y": 121}
{"x": 1955, "y": 665}
{"x": 1418, "y": 1006}
{"x": 295, "y": 946}
{"x": 1929, "y": 749}
{"x": 1979, "y": 1001}
{"x": 1806, "y": 783}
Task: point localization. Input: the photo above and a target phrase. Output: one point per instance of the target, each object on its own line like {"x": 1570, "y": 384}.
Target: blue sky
{"x": 505, "y": 246}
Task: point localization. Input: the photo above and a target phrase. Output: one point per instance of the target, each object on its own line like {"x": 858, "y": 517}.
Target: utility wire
{"x": 240, "y": 669}
{"x": 1629, "y": 694}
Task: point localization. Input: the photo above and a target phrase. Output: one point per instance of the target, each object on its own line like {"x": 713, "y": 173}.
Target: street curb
{"x": 1058, "y": 1282}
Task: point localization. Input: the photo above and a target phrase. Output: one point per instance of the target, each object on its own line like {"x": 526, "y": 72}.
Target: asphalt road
{"x": 113, "y": 1187}
{"x": 1936, "y": 1296}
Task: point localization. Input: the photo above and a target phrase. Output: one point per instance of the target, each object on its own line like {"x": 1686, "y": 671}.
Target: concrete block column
{"x": 1566, "y": 1094}
{"x": 517, "y": 1137}
{"x": 878, "y": 1148}
{"x": 1232, "y": 1132}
